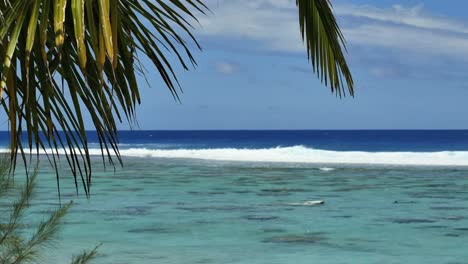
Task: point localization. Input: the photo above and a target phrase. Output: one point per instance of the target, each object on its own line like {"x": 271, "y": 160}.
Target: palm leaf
{"x": 64, "y": 60}
{"x": 47, "y": 94}
{"x": 325, "y": 42}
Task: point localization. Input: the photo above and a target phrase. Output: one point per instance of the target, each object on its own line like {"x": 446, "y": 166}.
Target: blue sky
{"x": 409, "y": 60}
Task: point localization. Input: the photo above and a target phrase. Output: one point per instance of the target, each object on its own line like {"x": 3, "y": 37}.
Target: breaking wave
{"x": 302, "y": 154}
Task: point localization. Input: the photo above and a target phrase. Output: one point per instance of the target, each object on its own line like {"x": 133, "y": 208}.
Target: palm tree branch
{"x": 48, "y": 95}
{"x": 325, "y": 44}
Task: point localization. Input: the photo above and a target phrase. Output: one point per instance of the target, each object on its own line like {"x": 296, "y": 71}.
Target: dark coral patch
{"x": 312, "y": 238}
{"x": 261, "y": 217}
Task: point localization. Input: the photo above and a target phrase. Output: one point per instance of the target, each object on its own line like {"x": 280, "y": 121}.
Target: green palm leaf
{"x": 64, "y": 60}
{"x": 324, "y": 42}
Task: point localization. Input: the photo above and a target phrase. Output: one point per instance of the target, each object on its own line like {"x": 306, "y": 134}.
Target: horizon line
{"x": 287, "y": 129}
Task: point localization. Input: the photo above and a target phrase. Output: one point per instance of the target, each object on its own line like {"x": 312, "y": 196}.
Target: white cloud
{"x": 263, "y": 20}
{"x": 409, "y": 16}
{"x": 226, "y": 68}
{"x": 273, "y": 23}
{"x": 414, "y": 40}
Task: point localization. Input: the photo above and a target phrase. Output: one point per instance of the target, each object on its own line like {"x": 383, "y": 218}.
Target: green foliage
{"x": 14, "y": 249}
{"x": 62, "y": 59}
{"x": 324, "y": 42}
{"x": 65, "y": 59}
{"x": 85, "y": 257}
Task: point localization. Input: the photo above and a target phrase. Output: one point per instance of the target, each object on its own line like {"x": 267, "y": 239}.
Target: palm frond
{"x": 64, "y": 60}
{"x": 325, "y": 44}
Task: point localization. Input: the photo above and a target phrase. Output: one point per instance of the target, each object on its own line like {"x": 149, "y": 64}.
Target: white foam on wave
{"x": 301, "y": 154}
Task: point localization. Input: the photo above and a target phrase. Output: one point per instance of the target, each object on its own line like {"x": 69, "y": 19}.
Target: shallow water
{"x": 188, "y": 211}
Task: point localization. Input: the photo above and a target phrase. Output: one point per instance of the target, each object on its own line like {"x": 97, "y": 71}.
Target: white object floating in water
{"x": 308, "y": 203}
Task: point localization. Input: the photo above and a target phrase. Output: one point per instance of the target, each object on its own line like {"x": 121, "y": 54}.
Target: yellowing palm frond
{"x": 63, "y": 59}
{"x": 90, "y": 48}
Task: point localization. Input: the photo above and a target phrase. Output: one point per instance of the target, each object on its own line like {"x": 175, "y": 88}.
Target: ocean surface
{"x": 245, "y": 197}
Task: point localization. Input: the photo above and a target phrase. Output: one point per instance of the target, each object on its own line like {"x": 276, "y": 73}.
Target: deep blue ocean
{"x": 250, "y": 197}
{"x": 338, "y": 140}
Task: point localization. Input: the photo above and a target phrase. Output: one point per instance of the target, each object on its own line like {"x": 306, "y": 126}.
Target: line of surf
{"x": 301, "y": 154}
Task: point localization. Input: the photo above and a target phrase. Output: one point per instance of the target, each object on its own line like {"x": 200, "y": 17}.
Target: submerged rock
{"x": 453, "y": 218}
{"x": 449, "y": 208}
{"x": 404, "y": 202}
{"x": 296, "y": 239}
{"x": 412, "y": 221}
{"x": 261, "y": 217}
{"x": 433, "y": 227}
{"x": 282, "y": 190}
{"x": 149, "y": 230}
{"x": 342, "y": 216}
{"x": 206, "y": 193}
{"x": 273, "y": 230}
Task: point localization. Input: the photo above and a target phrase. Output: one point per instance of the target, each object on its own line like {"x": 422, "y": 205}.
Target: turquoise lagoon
{"x": 168, "y": 211}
